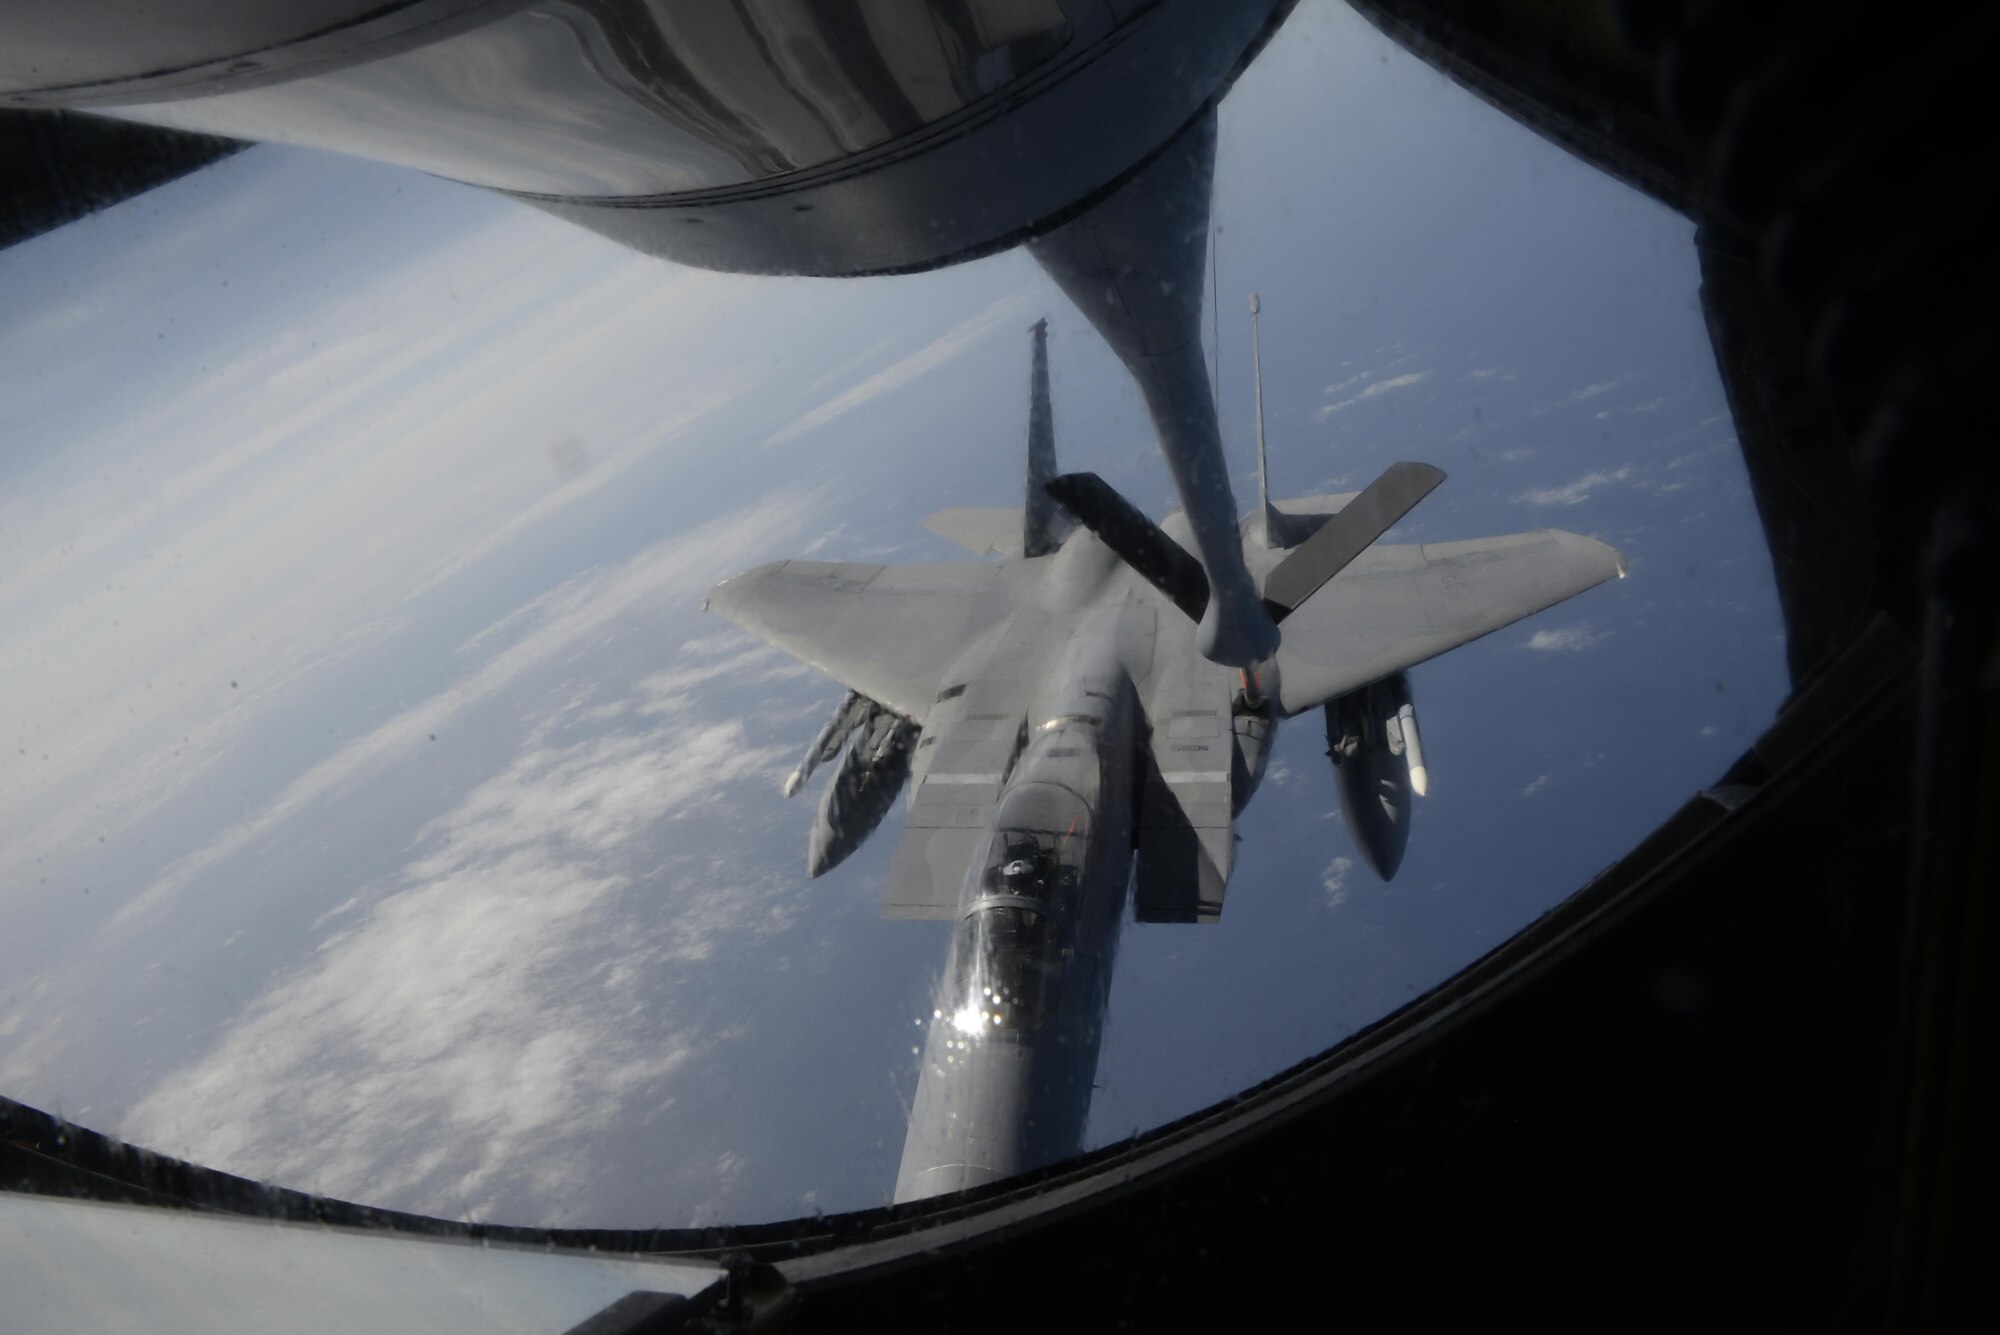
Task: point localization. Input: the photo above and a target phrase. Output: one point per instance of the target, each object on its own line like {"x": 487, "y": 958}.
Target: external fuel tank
{"x": 1369, "y": 737}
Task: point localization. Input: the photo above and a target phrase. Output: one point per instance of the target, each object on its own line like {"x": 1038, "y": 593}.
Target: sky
{"x": 384, "y": 817}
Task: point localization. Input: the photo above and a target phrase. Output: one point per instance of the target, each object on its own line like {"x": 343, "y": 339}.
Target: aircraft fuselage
{"x": 1012, "y": 1047}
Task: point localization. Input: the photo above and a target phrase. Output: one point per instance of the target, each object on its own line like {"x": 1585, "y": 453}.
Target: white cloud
{"x": 844, "y": 371}
{"x": 1486, "y": 373}
{"x": 480, "y": 1021}
{"x": 820, "y": 543}
{"x": 1374, "y": 391}
{"x": 1334, "y": 878}
{"x": 958, "y": 339}
{"x": 1649, "y": 406}
{"x": 1561, "y": 638}
{"x": 141, "y": 584}
{"x": 726, "y": 641}
{"x": 675, "y": 568}
{"x": 1592, "y": 391}
{"x": 617, "y": 456}
{"x": 1576, "y": 492}
{"x": 1540, "y": 783}
{"x": 670, "y": 690}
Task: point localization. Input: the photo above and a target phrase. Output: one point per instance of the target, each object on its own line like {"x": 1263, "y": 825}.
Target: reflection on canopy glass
{"x": 1009, "y": 970}
{"x": 1011, "y": 948}
{"x": 386, "y": 817}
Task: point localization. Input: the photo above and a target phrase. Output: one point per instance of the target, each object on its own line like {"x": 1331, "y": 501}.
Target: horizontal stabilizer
{"x": 1137, "y": 540}
{"x": 1345, "y": 536}
{"x": 980, "y": 529}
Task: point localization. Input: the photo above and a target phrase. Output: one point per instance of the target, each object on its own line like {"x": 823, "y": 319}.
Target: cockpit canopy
{"x": 1014, "y": 939}
{"x": 1007, "y": 971}
{"x": 1035, "y": 856}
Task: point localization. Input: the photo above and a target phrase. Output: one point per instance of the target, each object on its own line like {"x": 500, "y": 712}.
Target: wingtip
{"x": 1617, "y": 557}
{"x": 723, "y": 596}
{"x": 1602, "y": 556}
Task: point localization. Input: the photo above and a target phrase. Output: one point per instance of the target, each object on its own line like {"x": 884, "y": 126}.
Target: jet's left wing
{"x": 1397, "y": 605}
{"x": 889, "y": 632}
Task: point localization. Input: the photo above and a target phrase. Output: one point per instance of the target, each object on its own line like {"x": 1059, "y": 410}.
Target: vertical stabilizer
{"x": 1044, "y": 524}
{"x": 1270, "y": 528}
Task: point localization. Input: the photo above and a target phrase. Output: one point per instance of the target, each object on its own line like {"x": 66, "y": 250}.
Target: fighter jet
{"x": 1063, "y": 740}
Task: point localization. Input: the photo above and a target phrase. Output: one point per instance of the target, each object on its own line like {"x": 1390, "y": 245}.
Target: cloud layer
{"x": 960, "y": 338}
{"x": 1373, "y": 391}
{"x": 300, "y": 493}
{"x": 584, "y": 608}
{"x": 1559, "y": 639}
{"x": 457, "y": 1049}
{"x": 1577, "y": 492}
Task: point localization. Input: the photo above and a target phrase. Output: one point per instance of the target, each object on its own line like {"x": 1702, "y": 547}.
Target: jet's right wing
{"x": 1397, "y": 605}
{"x": 889, "y": 632}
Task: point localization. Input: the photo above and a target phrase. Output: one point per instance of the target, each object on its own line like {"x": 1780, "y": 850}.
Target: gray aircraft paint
{"x": 1068, "y": 683}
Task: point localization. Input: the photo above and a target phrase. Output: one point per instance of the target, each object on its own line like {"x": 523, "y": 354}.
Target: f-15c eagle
{"x": 1063, "y": 739}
